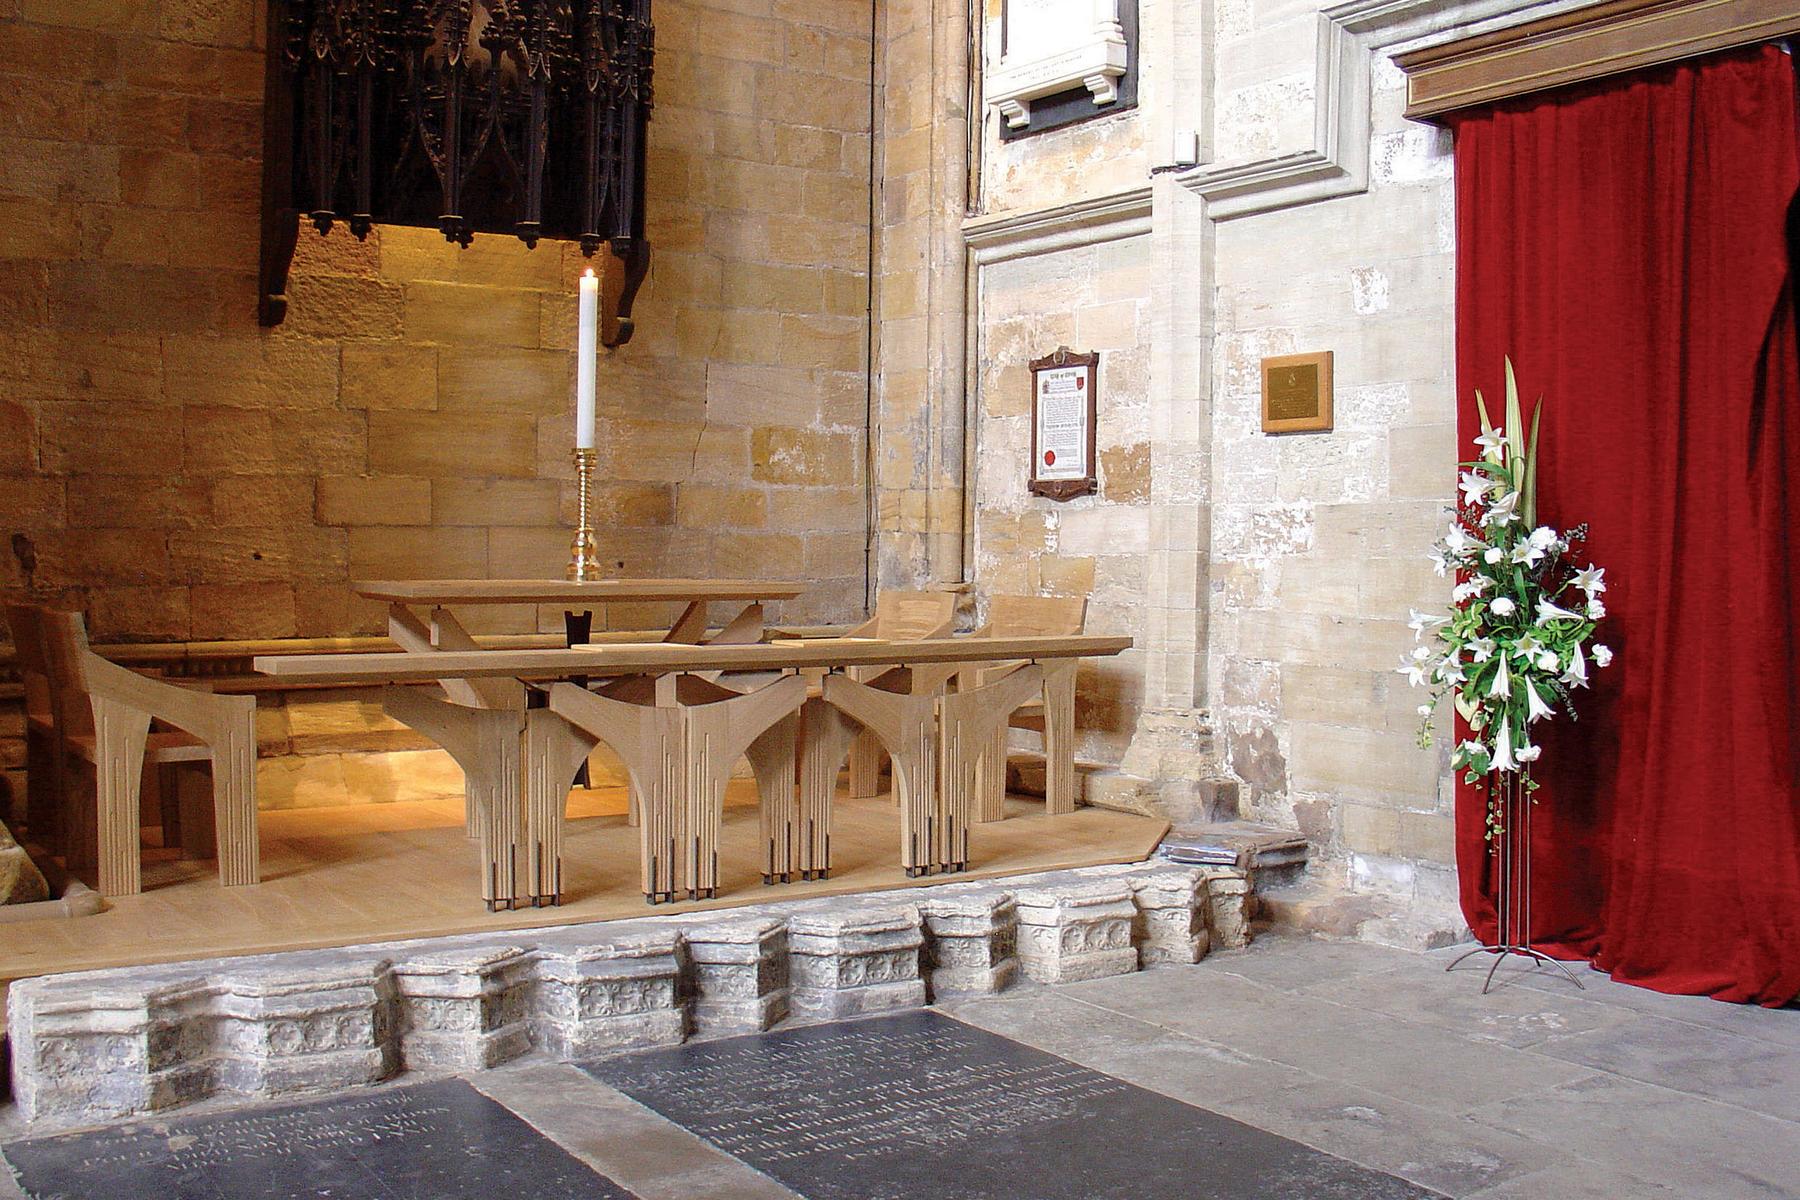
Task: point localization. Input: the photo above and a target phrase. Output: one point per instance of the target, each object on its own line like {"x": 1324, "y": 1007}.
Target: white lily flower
{"x": 1502, "y": 685}
{"x": 1458, "y": 542}
{"x": 1528, "y": 553}
{"x": 1503, "y": 751}
{"x": 1535, "y": 708}
{"x": 1416, "y": 672}
{"x": 1575, "y": 674}
{"x": 1595, "y": 610}
{"x": 1544, "y": 538}
{"x": 1503, "y": 606}
{"x": 1602, "y": 657}
{"x": 1545, "y": 660}
{"x": 1424, "y": 710}
{"x": 1450, "y": 671}
{"x": 1547, "y": 612}
{"x": 1440, "y": 566}
{"x": 1491, "y": 443}
{"x": 1527, "y": 646}
{"x": 1530, "y": 753}
{"x": 1481, "y": 583}
{"x": 1504, "y": 510}
{"x": 1475, "y": 487}
{"x": 1494, "y": 554}
{"x": 1422, "y": 621}
{"x": 1472, "y": 748}
{"x": 1481, "y": 649}
{"x": 1592, "y": 581}
{"x": 1465, "y": 591}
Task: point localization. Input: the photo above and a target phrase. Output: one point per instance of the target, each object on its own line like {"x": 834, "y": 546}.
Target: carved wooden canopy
{"x": 471, "y": 116}
{"x": 1582, "y": 44}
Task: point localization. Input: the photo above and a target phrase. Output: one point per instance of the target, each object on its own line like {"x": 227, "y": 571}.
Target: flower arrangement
{"x": 1514, "y": 647}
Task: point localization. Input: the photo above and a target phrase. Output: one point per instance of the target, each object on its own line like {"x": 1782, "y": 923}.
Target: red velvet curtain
{"x": 1626, "y": 243}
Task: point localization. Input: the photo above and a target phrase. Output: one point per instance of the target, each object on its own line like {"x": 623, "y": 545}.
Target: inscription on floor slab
{"x": 436, "y": 1141}
{"x": 919, "y": 1105}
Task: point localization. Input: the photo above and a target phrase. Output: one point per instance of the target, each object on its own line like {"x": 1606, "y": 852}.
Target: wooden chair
{"x": 1053, "y": 713}
{"x": 899, "y": 617}
{"x": 103, "y": 714}
{"x": 45, "y": 765}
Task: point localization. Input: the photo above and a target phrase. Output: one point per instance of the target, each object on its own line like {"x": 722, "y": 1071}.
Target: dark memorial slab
{"x": 436, "y": 1141}
{"x": 919, "y": 1105}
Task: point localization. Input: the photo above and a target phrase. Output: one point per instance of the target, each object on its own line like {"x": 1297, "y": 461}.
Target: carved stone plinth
{"x": 464, "y": 1009}
{"x": 971, "y": 939}
{"x": 737, "y": 975}
{"x": 860, "y": 960}
{"x": 1232, "y": 903}
{"x": 599, "y": 998}
{"x": 107, "y": 1044}
{"x": 1172, "y": 912}
{"x": 135, "y": 1040}
{"x": 1077, "y": 931}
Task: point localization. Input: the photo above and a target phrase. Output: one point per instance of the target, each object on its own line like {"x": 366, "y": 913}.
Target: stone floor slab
{"x": 1705, "y": 1062}
{"x": 653, "y": 1157}
{"x": 444, "y": 1140}
{"x": 1639, "y": 1130}
{"x": 1512, "y": 1016}
{"x": 917, "y": 1104}
{"x": 1333, "y": 1041}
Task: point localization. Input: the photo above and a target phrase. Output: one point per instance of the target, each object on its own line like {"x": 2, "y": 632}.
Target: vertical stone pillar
{"x": 920, "y": 424}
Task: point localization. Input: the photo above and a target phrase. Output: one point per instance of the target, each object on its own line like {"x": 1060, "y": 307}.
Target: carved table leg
{"x": 772, "y": 758}
{"x": 1059, "y": 736}
{"x": 907, "y": 726}
{"x": 968, "y": 723}
{"x": 553, "y": 750}
{"x": 826, "y": 735}
{"x": 486, "y": 744}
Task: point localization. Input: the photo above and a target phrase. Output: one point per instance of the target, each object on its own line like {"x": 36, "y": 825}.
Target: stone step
{"x": 1250, "y": 845}
{"x": 112, "y": 1044}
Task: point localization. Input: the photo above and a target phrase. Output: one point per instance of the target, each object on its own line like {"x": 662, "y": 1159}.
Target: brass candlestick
{"x": 584, "y": 555}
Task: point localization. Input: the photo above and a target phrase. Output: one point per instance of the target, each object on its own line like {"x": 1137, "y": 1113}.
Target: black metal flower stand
{"x": 1509, "y": 797}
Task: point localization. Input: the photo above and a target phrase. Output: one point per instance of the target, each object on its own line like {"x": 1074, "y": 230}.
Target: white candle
{"x": 584, "y": 362}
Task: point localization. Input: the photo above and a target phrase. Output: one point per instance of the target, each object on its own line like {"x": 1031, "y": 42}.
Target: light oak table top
{"x": 565, "y": 591}
{"x": 651, "y": 658}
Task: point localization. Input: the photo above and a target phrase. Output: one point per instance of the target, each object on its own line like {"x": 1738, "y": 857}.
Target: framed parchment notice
{"x": 1064, "y": 396}
{"x": 1296, "y": 393}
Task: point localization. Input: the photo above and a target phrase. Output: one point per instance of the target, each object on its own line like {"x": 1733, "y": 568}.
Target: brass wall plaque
{"x": 1296, "y": 393}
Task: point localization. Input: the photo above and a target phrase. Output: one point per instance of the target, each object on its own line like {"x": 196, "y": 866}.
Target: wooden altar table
{"x": 680, "y": 733}
{"x": 482, "y": 723}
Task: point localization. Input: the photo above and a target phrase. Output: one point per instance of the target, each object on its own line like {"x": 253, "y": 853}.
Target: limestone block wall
{"x": 1090, "y": 298}
{"x": 181, "y": 473}
{"x": 1319, "y": 539}
{"x": 1276, "y": 571}
{"x": 1107, "y": 154}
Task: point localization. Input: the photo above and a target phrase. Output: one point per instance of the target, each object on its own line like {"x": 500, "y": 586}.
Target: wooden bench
{"x": 101, "y": 714}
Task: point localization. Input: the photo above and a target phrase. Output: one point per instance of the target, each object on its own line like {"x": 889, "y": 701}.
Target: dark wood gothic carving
{"x": 525, "y": 117}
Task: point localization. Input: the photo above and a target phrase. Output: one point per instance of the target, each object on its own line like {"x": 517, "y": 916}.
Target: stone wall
{"x": 1091, "y": 298}
{"x": 1319, "y": 538}
{"x": 182, "y": 473}
{"x": 1273, "y": 574}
